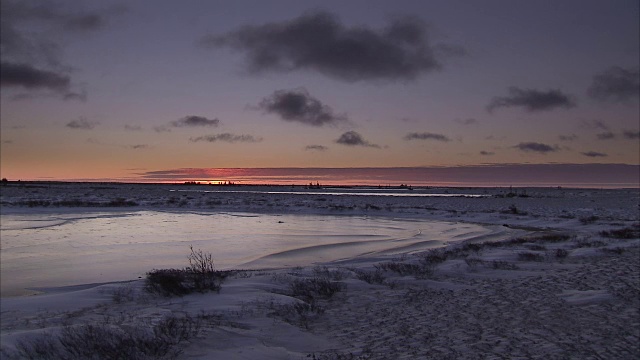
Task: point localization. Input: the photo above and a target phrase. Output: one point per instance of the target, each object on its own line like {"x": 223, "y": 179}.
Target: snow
{"x": 573, "y": 296}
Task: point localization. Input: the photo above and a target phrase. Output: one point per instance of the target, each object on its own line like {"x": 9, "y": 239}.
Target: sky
{"x": 191, "y": 90}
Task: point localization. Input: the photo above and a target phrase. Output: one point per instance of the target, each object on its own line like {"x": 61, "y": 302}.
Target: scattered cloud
{"x": 570, "y": 137}
{"x": 82, "y": 124}
{"x": 352, "y": 138}
{"x": 594, "y": 124}
{"x": 469, "y": 121}
{"x": 426, "y": 136}
{"x": 606, "y": 136}
{"x": 31, "y": 58}
{"x": 226, "y": 137}
{"x": 132, "y": 127}
{"x": 299, "y": 106}
{"x": 161, "y": 129}
{"x": 194, "y": 121}
{"x": 616, "y": 85}
{"x": 532, "y": 100}
{"x": 486, "y": 153}
{"x": 139, "y": 147}
{"x": 494, "y": 137}
{"x": 320, "y": 42}
{"x": 594, "y": 154}
{"x": 536, "y": 147}
{"x": 316, "y": 147}
{"x": 628, "y": 134}
{"x": 29, "y": 77}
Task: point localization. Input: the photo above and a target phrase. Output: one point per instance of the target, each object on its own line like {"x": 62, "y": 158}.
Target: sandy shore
{"x": 565, "y": 284}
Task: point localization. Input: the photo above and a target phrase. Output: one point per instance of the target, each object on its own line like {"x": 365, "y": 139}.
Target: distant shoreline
{"x": 203, "y": 183}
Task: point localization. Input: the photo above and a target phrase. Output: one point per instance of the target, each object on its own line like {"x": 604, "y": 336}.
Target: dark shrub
{"x": 585, "y": 220}
{"x": 561, "y": 253}
{"x": 530, "y": 256}
{"x": 624, "y": 233}
{"x": 315, "y": 288}
{"x": 167, "y": 282}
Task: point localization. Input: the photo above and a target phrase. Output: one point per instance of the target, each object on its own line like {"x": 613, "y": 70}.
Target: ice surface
{"x": 88, "y": 247}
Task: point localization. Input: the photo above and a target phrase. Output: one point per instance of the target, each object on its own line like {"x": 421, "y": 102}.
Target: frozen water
{"x": 58, "y": 249}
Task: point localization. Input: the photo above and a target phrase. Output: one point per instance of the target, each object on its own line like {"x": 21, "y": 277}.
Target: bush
{"x": 561, "y": 253}
{"x": 325, "y": 272}
{"x": 503, "y": 265}
{"x": 203, "y": 273}
{"x": 530, "y": 256}
{"x": 310, "y": 290}
{"x": 473, "y": 263}
{"x": 585, "y": 220}
{"x": 167, "y": 282}
{"x": 299, "y": 313}
{"x": 624, "y": 233}
{"x": 370, "y": 277}
{"x": 104, "y": 341}
{"x": 200, "y": 276}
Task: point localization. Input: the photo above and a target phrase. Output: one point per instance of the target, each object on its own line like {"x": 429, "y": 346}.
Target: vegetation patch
{"x": 108, "y": 341}
{"x": 199, "y": 276}
{"x": 530, "y": 256}
{"x": 631, "y": 232}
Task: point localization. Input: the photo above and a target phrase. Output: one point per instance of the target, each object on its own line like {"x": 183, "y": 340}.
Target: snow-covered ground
{"x": 555, "y": 278}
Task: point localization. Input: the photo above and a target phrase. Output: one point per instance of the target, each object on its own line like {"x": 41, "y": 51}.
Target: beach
{"x": 548, "y": 273}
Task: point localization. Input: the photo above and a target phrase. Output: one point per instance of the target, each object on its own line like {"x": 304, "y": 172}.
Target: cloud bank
{"x": 195, "y": 121}
{"x": 594, "y": 154}
{"x": 532, "y": 100}
{"x": 631, "y": 135}
{"x": 226, "y": 137}
{"x": 316, "y": 147}
{"x": 426, "y": 136}
{"x": 299, "y": 106}
{"x": 320, "y": 42}
{"x": 536, "y": 147}
{"x": 29, "y": 77}
{"x": 352, "y": 138}
{"x": 82, "y": 124}
{"x": 615, "y": 84}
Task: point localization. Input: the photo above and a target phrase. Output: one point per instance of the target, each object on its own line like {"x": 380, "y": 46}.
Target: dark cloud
{"x": 193, "y": 121}
{"x": 29, "y": 77}
{"x": 628, "y": 134}
{"x": 606, "y": 136}
{"x": 532, "y": 100}
{"x": 571, "y": 137}
{"x": 426, "y": 136}
{"x": 82, "y": 124}
{"x": 227, "y": 137}
{"x": 316, "y": 147}
{"x": 352, "y": 138}
{"x": 594, "y": 154}
{"x": 31, "y": 58}
{"x": 536, "y": 147}
{"x": 321, "y": 42}
{"x": 486, "y": 153}
{"x": 299, "y": 106}
{"x": 616, "y": 85}
{"x": 132, "y": 127}
{"x": 139, "y": 147}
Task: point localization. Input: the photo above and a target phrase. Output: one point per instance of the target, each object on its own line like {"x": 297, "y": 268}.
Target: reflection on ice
{"x": 74, "y": 248}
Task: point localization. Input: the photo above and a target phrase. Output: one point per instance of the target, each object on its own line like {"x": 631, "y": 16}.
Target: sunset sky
{"x": 169, "y": 90}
